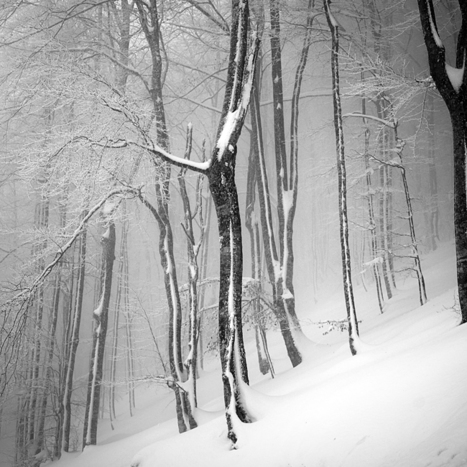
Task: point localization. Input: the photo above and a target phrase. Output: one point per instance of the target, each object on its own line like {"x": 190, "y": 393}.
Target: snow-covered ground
{"x": 402, "y": 401}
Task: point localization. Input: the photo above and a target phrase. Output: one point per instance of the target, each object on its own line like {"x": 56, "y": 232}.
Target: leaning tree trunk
{"x": 454, "y": 93}
{"x": 342, "y": 189}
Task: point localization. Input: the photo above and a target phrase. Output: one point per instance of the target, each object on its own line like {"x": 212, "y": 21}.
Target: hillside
{"x": 402, "y": 401}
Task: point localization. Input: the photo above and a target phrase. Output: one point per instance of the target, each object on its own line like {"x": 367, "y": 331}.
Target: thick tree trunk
{"x": 455, "y": 97}
{"x": 234, "y": 368}
{"x": 459, "y": 125}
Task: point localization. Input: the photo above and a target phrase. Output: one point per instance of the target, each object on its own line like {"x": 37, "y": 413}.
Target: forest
{"x": 209, "y": 208}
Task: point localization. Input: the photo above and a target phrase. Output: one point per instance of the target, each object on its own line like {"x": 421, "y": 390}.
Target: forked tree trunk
{"x": 287, "y": 171}
{"x": 150, "y": 22}
{"x": 193, "y": 247}
{"x": 220, "y": 171}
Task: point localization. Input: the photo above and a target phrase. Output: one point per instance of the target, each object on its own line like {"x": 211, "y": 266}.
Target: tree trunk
{"x": 72, "y": 346}
{"x": 455, "y": 97}
{"x": 371, "y": 215}
{"x": 100, "y": 316}
{"x": 232, "y": 352}
{"x": 342, "y": 189}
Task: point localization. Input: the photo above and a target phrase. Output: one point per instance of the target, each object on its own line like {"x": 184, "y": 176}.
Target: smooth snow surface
{"x": 401, "y": 402}
{"x": 456, "y": 76}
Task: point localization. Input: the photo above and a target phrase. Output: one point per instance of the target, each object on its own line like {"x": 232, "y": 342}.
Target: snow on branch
{"x": 237, "y": 109}
{"x": 201, "y": 167}
{"x": 389, "y": 123}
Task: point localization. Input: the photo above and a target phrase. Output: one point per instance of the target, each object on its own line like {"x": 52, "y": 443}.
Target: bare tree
{"x": 342, "y": 183}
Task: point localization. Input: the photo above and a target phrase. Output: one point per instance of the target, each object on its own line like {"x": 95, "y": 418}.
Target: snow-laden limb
{"x": 201, "y": 167}
{"x": 64, "y": 248}
{"x": 389, "y": 123}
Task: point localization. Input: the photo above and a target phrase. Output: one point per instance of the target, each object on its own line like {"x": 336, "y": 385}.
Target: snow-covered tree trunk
{"x": 100, "y": 316}
{"x": 451, "y": 82}
{"x": 232, "y": 352}
{"x": 342, "y": 188}
{"x": 151, "y": 25}
{"x": 193, "y": 248}
{"x": 270, "y": 249}
{"x": 221, "y": 176}
{"x": 286, "y": 170}
{"x": 220, "y": 171}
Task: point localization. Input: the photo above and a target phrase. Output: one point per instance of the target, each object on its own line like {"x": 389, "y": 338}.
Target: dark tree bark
{"x": 220, "y": 171}
{"x": 454, "y": 94}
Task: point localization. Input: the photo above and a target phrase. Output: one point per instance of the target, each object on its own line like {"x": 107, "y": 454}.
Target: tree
{"x": 280, "y": 260}
{"x": 100, "y": 315}
{"x": 451, "y": 83}
{"x": 220, "y": 172}
{"x": 342, "y": 184}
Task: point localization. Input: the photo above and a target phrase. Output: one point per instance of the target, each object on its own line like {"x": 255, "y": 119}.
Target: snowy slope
{"x": 401, "y": 402}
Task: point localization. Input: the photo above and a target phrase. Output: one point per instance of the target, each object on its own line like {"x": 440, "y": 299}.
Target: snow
{"x": 227, "y": 130}
{"x": 456, "y": 76}
{"x": 400, "y": 402}
{"x": 434, "y": 32}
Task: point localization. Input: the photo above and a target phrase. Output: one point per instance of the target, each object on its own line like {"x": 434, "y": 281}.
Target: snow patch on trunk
{"x": 456, "y": 76}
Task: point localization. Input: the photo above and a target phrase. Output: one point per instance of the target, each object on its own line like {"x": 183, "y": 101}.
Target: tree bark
{"x": 342, "y": 188}
{"x": 455, "y": 97}
{"x": 100, "y": 316}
